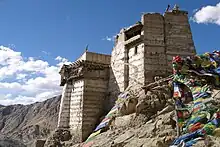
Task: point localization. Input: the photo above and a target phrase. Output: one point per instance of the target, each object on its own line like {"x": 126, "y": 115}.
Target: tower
{"x": 84, "y": 93}
{"x": 178, "y": 35}
{"x": 145, "y": 49}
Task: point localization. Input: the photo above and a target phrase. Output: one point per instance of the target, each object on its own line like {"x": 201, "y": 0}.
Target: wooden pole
{"x": 176, "y": 117}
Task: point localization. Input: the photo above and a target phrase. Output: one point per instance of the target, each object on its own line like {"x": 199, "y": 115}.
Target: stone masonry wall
{"x": 84, "y": 94}
{"x": 163, "y": 37}
{"x": 117, "y": 64}
{"x": 95, "y": 84}
{"x": 98, "y": 58}
{"x": 178, "y": 33}
{"x": 64, "y": 113}
{"x": 116, "y": 73}
{"x": 87, "y": 100}
{"x": 76, "y": 105}
{"x": 154, "y": 50}
{"x": 136, "y": 66}
{"x": 94, "y": 97}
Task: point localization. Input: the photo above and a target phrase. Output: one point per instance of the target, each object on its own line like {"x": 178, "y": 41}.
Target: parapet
{"x": 96, "y": 57}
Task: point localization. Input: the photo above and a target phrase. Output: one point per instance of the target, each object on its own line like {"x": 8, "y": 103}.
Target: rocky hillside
{"x": 152, "y": 124}
{"x": 136, "y": 131}
{"x": 21, "y": 124}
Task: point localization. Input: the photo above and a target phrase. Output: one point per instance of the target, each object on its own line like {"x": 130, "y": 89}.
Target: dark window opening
{"x": 135, "y": 50}
{"x": 130, "y": 35}
{"x": 116, "y": 39}
{"x": 133, "y": 31}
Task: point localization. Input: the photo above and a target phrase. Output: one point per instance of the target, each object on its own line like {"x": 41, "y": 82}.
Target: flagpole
{"x": 176, "y": 117}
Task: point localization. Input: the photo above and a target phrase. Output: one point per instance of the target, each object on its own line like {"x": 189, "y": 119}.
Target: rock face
{"x": 26, "y": 123}
{"x": 138, "y": 132}
{"x": 153, "y": 121}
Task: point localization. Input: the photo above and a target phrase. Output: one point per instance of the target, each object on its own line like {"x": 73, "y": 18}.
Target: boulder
{"x": 123, "y": 121}
{"x": 120, "y": 140}
{"x": 39, "y": 143}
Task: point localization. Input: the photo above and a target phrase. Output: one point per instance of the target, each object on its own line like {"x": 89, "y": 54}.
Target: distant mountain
{"x": 22, "y": 124}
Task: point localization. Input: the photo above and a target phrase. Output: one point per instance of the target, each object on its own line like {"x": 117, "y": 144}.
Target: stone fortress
{"x": 141, "y": 53}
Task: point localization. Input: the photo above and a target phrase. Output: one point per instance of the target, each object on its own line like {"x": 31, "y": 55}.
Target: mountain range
{"x": 21, "y": 125}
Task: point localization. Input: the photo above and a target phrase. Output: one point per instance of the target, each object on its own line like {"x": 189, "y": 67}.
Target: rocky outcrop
{"x": 138, "y": 132}
{"x": 26, "y": 123}
{"x": 147, "y": 118}
{"x": 157, "y": 132}
{"x": 7, "y": 142}
{"x": 58, "y": 138}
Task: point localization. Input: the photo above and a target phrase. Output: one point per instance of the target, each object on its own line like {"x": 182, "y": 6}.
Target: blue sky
{"x": 46, "y": 29}
{"x": 64, "y": 27}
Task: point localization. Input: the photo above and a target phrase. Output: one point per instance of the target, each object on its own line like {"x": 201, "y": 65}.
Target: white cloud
{"x": 45, "y": 52}
{"x": 20, "y": 76}
{"x": 9, "y": 56}
{"x": 208, "y": 14}
{"x": 107, "y": 38}
{"x": 62, "y": 61}
{"x": 58, "y": 58}
{"x": 27, "y": 80}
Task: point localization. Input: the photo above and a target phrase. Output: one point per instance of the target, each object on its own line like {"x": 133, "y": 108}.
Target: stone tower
{"x": 145, "y": 50}
{"x": 85, "y": 86}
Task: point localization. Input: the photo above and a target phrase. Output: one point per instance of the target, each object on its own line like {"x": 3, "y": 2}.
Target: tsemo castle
{"x": 141, "y": 52}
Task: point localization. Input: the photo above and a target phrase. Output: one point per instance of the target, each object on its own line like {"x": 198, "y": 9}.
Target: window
{"x": 130, "y": 35}
{"x": 116, "y": 39}
{"x": 135, "y": 50}
{"x": 133, "y": 31}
